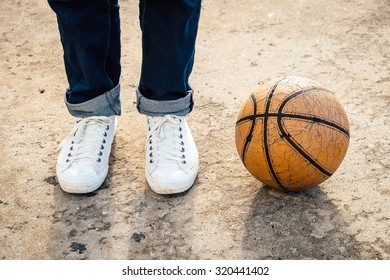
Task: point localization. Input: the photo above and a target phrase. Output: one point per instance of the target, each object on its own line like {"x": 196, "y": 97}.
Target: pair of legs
{"x": 90, "y": 36}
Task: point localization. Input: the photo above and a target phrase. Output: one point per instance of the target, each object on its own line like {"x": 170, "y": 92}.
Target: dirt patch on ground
{"x": 227, "y": 214}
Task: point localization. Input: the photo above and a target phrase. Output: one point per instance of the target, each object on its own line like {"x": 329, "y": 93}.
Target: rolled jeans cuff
{"x": 106, "y": 104}
{"x": 179, "y": 107}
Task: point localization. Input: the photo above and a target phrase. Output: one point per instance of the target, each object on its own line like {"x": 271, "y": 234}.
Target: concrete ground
{"x": 227, "y": 214}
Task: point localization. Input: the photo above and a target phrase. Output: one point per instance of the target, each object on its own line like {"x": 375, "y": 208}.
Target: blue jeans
{"x": 90, "y": 36}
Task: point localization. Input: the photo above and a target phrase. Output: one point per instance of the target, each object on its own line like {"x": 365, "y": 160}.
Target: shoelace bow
{"x": 166, "y": 140}
{"x": 87, "y": 138}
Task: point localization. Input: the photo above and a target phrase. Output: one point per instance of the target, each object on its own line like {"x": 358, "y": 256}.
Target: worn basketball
{"x": 292, "y": 133}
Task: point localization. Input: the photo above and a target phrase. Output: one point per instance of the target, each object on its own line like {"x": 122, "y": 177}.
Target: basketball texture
{"x": 292, "y": 133}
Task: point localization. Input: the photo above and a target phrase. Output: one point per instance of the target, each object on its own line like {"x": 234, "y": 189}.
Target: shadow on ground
{"x": 161, "y": 227}
{"x": 81, "y": 224}
{"x": 305, "y": 225}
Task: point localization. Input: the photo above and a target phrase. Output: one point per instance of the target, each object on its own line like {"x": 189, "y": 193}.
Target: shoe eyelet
{"x": 180, "y": 129}
{"x": 183, "y": 162}
{"x": 99, "y": 160}
{"x": 69, "y": 155}
{"x": 151, "y": 154}
{"x": 151, "y": 148}
{"x": 100, "y": 153}
{"x": 105, "y": 134}
{"x": 182, "y": 150}
{"x": 151, "y": 161}
{"x": 108, "y": 127}
{"x": 183, "y": 156}
{"x": 150, "y": 142}
{"x": 182, "y": 143}
{"x": 181, "y": 136}
{"x": 72, "y": 142}
{"x": 71, "y": 148}
{"x": 101, "y": 147}
{"x": 67, "y": 160}
{"x": 104, "y": 141}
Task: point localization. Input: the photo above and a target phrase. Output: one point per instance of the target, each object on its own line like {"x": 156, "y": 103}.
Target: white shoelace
{"x": 88, "y": 139}
{"x": 166, "y": 140}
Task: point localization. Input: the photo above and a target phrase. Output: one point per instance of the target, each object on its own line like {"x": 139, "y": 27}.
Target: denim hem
{"x": 179, "y": 107}
{"x": 106, "y": 104}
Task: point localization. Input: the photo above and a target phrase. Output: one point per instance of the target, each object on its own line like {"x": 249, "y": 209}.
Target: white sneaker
{"x": 172, "y": 161}
{"x": 82, "y": 165}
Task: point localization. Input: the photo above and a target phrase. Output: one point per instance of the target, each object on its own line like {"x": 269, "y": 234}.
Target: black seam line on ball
{"x": 254, "y": 116}
{"x": 266, "y": 115}
{"x": 249, "y": 137}
{"x": 317, "y": 120}
{"x": 295, "y": 116}
{"x": 287, "y": 136}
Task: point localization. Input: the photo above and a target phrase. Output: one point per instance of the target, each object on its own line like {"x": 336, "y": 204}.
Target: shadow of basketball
{"x": 303, "y": 225}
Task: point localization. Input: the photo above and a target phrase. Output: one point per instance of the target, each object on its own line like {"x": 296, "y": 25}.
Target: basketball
{"x": 292, "y": 133}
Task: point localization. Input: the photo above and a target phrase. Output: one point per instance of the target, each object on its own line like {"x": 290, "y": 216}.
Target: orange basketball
{"x": 292, "y": 133}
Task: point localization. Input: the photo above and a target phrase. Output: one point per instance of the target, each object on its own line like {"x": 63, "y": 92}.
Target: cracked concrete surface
{"x": 227, "y": 214}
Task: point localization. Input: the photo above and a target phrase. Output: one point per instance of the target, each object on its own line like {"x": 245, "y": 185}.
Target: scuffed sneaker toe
{"x": 81, "y": 180}
{"x": 177, "y": 181}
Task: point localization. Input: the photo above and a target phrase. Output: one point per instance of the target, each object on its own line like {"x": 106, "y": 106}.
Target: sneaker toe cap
{"x": 80, "y": 180}
{"x": 164, "y": 182}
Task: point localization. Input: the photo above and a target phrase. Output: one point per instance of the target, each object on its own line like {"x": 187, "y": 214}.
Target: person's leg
{"x": 90, "y": 36}
{"x": 169, "y": 30}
